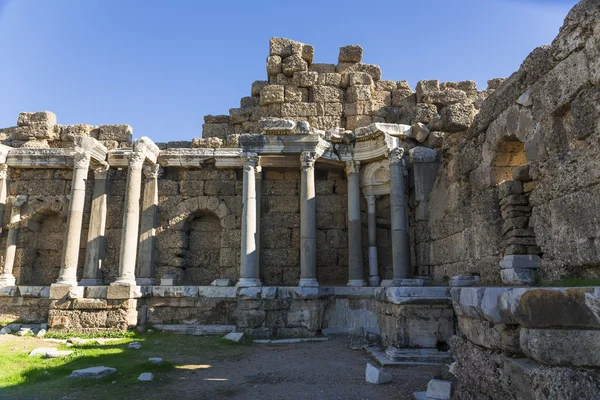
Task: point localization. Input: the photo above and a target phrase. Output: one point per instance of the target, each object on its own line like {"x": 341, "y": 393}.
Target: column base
{"x": 308, "y": 282}
{"x": 407, "y": 282}
{"x": 90, "y": 282}
{"x": 144, "y": 281}
{"x": 374, "y": 281}
{"x": 356, "y": 283}
{"x": 65, "y": 283}
{"x": 124, "y": 282}
{"x": 7, "y": 280}
{"x": 249, "y": 282}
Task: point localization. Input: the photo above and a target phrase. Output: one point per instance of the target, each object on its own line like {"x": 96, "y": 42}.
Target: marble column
{"x": 131, "y": 220}
{"x": 94, "y": 251}
{"x": 355, "y": 256}
{"x": 249, "y": 274}
{"x": 147, "y": 251}
{"x": 372, "y": 221}
{"x": 308, "y": 221}
{"x": 3, "y": 190}
{"x": 399, "y": 212}
{"x": 70, "y": 254}
{"x": 7, "y": 278}
{"x": 258, "y": 176}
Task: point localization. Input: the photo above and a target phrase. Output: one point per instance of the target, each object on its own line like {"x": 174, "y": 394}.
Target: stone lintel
{"x": 91, "y": 146}
{"x": 380, "y": 128}
{"x": 119, "y": 157}
{"x": 282, "y": 144}
{"x": 369, "y": 150}
{"x": 40, "y": 158}
{"x": 4, "y": 150}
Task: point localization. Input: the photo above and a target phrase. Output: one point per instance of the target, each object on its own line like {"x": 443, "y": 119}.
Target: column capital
{"x": 308, "y": 159}
{"x": 370, "y": 199}
{"x": 395, "y": 155}
{"x": 3, "y": 171}
{"x": 151, "y": 171}
{"x": 352, "y": 167}
{"x": 81, "y": 160}
{"x": 136, "y": 159}
{"x": 100, "y": 170}
{"x": 250, "y": 160}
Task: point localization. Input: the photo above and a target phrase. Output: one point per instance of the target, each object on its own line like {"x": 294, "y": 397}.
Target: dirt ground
{"x": 309, "y": 370}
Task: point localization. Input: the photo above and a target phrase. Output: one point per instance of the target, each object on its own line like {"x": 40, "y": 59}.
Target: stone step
{"x": 409, "y": 357}
{"x": 199, "y": 330}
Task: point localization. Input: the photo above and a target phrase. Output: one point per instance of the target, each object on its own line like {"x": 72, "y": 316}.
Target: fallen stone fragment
{"x": 146, "y": 377}
{"x": 134, "y": 345}
{"x": 41, "y": 333}
{"x": 58, "y": 353}
{"x": 41, "y": 351}
{"x": 420, "y": 396}
{"x": 92, "y": 372}
{"x": 376, "y": 375}
{"x": 155, "y": 360}
{"x": 24, "y": 332}
{"x": 5, "y": 331}
{"x": 438, "y": 389}
{"x": 234, "y": 337}
{"x": 284, "y": 341}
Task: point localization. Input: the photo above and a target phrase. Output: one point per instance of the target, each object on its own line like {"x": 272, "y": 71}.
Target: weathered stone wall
{"x": 531, "y": 343}
{"x": 549, "y": 106}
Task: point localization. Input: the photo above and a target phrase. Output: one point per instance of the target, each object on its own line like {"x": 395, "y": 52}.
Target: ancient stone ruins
{"x": 332, "y": 200}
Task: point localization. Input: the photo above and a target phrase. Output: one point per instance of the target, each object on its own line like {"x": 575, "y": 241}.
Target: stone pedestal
{"x": 399, "y": 219}
{"x": 131, "y": 219}
{"x": 7, "y": 278}
{"x": 519, "y": 269}
{"x": 70, "y": 256}
{"x": 94, "y": 251}
{"x": 372, "y": 221}
{"x": 355, "y": 261}
{"x": 249, "y": 274}
{"x": 308, "y": 221}
{"x": 147, "y": 251}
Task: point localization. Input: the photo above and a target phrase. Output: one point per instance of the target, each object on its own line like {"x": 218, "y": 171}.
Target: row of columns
{"x": 94, "y": 256}
{"x": 249, "y": 265}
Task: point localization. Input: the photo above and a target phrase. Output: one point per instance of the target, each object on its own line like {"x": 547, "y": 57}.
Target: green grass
{"x": 576, "y": 282}
{"x": 24, "y": 377}
{"x": 108, "y": 334}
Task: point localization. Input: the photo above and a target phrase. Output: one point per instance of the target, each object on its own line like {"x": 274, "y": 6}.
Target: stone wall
{"x": 544, "y": 116}
{"x": 533, "y": 343}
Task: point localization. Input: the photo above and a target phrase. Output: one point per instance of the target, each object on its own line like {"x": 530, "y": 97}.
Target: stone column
{"x": 400, "y": 235}
{"x": 131, "y": 220}
{"x": 7, "y": 278}
{"x": 3, "y": 190}
{"x": 249, "y": 275}
{"x": 308, "y": 221}
{"x": 258, "y": 176}
{"x": 70, "y": 254}
{"x": 147, "y": 252}
{"x": 372, "y": 220}
{"x": 355, "y": 260}
{"x": 94, "y": 251}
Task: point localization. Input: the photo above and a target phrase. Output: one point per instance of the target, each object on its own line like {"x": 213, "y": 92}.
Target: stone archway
{"x": 40, "y": 240}
{"x": 201, "y": 241}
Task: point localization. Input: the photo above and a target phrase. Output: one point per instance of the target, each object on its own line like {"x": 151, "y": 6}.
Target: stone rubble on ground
{"x": 5, "y": 331}
{"x": 155, "y": 360}
{"x": 92, "y": 372}
{"x": 438, "y": 389}
{"x": 134, "y": 345}
{"x": 146, "y": 377}
{"x": 376, "y": 375}
{"x": 234, "y": 337}
{"x": 49, "y": 352}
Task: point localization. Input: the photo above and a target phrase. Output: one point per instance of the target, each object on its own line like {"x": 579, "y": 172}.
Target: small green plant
{"x": 576, "y": 281}
{"x": 107, "y": 335}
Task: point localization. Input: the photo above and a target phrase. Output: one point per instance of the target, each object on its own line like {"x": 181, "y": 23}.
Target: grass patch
{"x": 576, "y": 282}
{"x": 24, "y": 377}
{"x": 108, "y": 335}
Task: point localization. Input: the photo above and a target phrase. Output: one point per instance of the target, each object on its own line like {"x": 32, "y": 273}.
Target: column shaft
{"x": 131, "y": 219}
{"x": 372, "y": 220}
{"x": 94, "y": 250}
{"x": 308, "y": 221}
{"x": 70, "y": 255}
{"x": 7, "y": 278}
{"x": 400, "y": 236}
{"x": 3, "y": 190}
{"x": 258, "y": 176}
{"x": 355, "y": 256}
{"x": 248, "y": 263}
{"x": 147, "y": 252}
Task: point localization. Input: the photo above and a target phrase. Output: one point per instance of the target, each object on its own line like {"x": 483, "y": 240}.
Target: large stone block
{"x": 350, "y": 54}
{"x": 272, "y": 94}
{"x": 292, "y": 64}
{"x": 305, "y": 79}
{"x": 326, "y": 94}
{"x": 569, "y": 347}
{"x": 490, "y": 335}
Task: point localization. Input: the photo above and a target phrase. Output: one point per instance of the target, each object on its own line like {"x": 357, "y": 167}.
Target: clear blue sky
{"x": 162, "y": 65}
